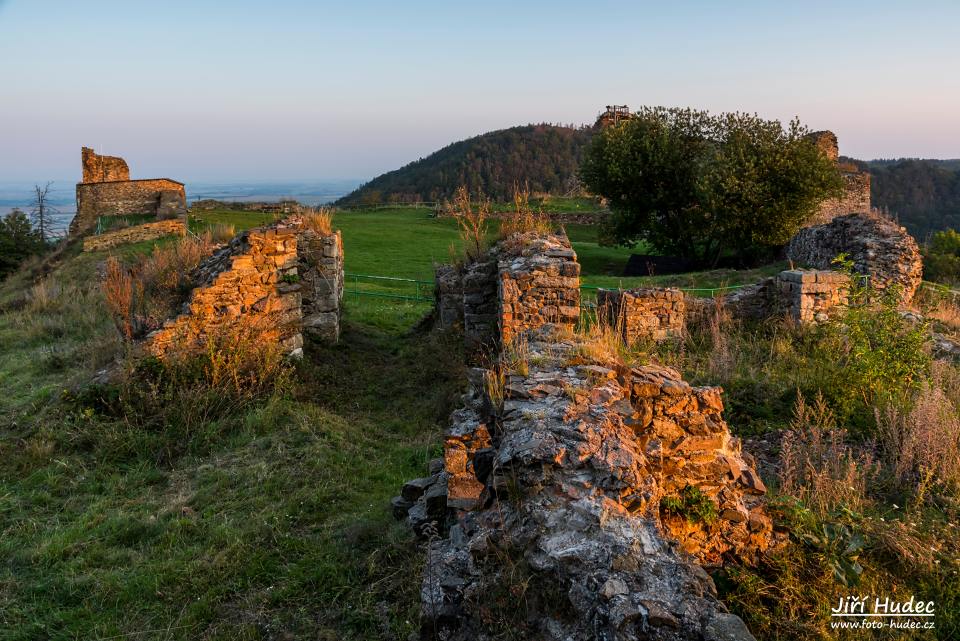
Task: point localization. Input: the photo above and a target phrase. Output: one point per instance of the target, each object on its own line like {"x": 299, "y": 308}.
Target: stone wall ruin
{"x": 518, "y": 284}
{"x": 107, "y": 190}
{"x": 277, "y": 282}
{"x": 561, "y": 476}
{"x": 650, "y": 313}
{"x": 856, "y": 184}
{"x": 135, "y": 234}
{"x": 879, "y": 248}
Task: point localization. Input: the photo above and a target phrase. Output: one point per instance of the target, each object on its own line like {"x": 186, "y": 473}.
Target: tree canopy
{"x": 18, "y": 240}
{"x": 699, "y": 185}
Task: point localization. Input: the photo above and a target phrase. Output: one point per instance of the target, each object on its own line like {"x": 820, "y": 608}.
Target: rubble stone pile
{"x": 879, "y": 248}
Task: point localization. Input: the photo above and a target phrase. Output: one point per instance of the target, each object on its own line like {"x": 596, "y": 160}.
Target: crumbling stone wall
{"x": 107, "y": 190}
{"x": 563, "y": 488}
{"x": 279, "y": 281}
{"x": 99, "y": 169}
{"x": 539, "y": 280}
{"x": 125, "y": 198}
{"x": 653, "y": 313}
{"x": 248, "y": 283}
{"x": 520, "y": 283}
{"x": 136, "y": 234}
{"x": 448, "y": 296}
{"x": 557, "y": 479}
{"x": 320, "y": 266}
{"x": 856, "y": 191}
{"x": 879, "y": 248}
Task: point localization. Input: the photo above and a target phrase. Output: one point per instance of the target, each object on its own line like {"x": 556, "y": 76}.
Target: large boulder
{"x": 880, "y": 249}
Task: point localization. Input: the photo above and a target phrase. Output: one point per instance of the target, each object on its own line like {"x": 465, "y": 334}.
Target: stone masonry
{"x": 539, "y": 280}
{"x": 107, "y": 190}
{"x": 653, "y": 313}
{"x": 136, "y": 234}
{"x": 856, "y": 189}
{"x": 520, "y": 283}
{"x": 563, "y": 479}
{"x": 812, "y": 295}
{"x": 807, "y": 296}
{"x": 101, "y": 169}
{"x": 880, "y": 249}
{"x": 276, "y": 281}
{"x": 320, "y": 266}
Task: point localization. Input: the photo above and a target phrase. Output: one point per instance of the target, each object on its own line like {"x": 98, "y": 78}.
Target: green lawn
{"x": 407, "y": 242}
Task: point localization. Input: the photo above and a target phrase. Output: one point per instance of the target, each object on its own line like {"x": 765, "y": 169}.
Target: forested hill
{"x": 544, "y": 158}
{"x": 923, "y": 194}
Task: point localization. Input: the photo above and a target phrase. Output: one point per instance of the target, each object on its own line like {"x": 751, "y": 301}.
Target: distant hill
{"x": 545, "y": 158}
{"x": 924, "y": 194}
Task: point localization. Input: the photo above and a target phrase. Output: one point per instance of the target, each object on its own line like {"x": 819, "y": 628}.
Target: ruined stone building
{"x": 107, "y": 190}
{"x": 856, "y": 184}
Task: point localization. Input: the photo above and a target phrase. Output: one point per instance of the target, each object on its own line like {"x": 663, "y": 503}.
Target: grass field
{"x": 408, "y": 242}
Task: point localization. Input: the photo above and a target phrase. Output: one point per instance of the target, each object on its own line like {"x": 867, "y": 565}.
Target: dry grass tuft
{"x": 319, "y": 220}
{"x": 601, "y": 341}
{"x": 524, "y": 219}
{"x": 473, "y": 220}
{"x": 220, "y": 233}
{"x": 142, "y": 296}
{"x": 816, "y": 464}
{"x": 921, "y": 445}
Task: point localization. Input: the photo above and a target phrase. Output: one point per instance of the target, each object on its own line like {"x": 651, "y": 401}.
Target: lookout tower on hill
{"x": 613, "y": 115}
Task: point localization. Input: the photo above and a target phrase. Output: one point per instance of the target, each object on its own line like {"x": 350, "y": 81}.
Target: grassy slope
{"x": 273, "y": 520}
{"x": 272, "y": 523}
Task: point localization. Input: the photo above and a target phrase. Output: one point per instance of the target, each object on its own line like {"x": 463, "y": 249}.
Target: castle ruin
{"x": 107, "y": 190}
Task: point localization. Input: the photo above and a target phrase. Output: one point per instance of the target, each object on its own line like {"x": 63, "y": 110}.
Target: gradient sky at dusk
{"x": 296, "y": 89}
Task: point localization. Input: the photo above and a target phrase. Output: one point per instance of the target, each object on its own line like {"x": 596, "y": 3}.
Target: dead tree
{"x": 42, "y": 213}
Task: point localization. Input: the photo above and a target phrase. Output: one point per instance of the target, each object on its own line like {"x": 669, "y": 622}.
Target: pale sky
{"x": 295, "y": 89}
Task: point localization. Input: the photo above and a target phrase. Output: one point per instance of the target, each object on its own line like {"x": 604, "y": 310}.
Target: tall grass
{"x": 523, "y": 219}
{"x": 143, "y": 295}
{"x": 319, "y": 220}
{"x": 473, "y": 219}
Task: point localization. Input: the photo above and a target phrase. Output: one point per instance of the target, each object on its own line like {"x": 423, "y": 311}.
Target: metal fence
{"x": 392, "y": 287}
{"x": 414, "y": 290}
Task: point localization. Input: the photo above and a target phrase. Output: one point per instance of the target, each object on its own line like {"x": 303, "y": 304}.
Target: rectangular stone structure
{"x": 107, "y": 190}
{"x": 810, "y": 296}
{"x": 650, "y": 313}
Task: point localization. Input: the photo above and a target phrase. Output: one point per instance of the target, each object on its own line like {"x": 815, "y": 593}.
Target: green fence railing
{"x": 409, "y": 289}
{"x": 412, "y": 289}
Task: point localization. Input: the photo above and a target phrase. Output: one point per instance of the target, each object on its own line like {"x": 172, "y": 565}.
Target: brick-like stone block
{"x": 652, "y": 313}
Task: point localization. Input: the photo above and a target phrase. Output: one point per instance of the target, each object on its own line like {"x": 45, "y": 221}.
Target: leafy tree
{"x": 18, "y": 240}
{"x": 941, "y": 258}
{"x": 698, "y": 185}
